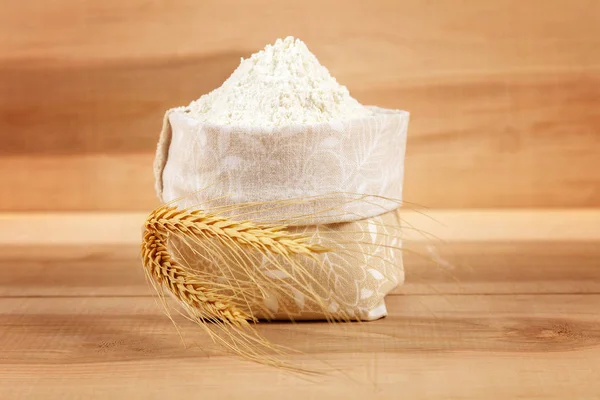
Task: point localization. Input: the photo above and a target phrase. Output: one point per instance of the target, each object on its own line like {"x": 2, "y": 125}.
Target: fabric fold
{"x": 333, "y": 163}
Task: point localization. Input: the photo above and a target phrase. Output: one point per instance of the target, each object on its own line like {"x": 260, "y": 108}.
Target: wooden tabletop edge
{"x": 445, "y": 225}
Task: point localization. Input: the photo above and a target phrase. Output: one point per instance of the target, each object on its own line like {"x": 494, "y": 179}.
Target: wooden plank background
{"x": 504, "y": 94}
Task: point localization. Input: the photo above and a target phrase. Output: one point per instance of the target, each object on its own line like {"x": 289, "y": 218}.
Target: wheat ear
{"x": 168, "y": 219}
{"x": 213, "y": 306}
{"x": 165, "y": 270}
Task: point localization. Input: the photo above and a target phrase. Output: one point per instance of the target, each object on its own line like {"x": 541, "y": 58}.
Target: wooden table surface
{"x": 481, "y": 316}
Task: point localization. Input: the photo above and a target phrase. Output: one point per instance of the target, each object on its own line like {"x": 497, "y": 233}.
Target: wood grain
{"x": 511, "y": 320}
{"x": 503, "y": 97}
{"x": 36, "y": 30}
{"x": 76, "y": 183}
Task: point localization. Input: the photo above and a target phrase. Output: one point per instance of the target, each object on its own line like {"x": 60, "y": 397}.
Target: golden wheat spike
{"x": 165, "y": 270}
{"x": 274, "y": 238}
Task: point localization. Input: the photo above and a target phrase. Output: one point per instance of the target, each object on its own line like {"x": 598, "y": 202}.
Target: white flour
{"x": 281, "y": 85}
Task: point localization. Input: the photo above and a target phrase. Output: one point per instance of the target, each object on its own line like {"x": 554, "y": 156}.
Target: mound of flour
{"x": 281, "y": 85}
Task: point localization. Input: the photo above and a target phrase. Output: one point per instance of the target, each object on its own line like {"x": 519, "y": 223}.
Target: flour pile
{"x": 284, "y": 84}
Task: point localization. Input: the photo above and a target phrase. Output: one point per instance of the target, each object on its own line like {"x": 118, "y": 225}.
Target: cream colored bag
{"x": 338, "y": 184}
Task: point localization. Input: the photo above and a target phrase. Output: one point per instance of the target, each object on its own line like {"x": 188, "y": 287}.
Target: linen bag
{"x": 338, "y": 184}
